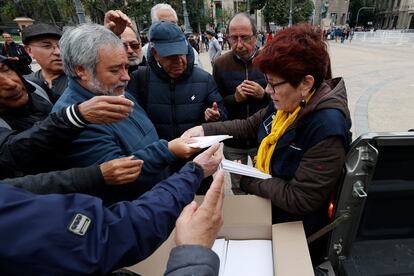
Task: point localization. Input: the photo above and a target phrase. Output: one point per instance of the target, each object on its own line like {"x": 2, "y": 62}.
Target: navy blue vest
{"x": 291, "y": 147}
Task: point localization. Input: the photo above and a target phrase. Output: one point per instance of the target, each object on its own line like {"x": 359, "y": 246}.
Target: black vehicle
{"x": 373, "y": 226}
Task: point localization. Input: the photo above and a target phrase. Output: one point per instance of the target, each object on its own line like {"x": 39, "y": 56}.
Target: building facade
{"x": 331, "y": 12}
{"x": 221, "y": 11}
{"x": 394, "y": 14}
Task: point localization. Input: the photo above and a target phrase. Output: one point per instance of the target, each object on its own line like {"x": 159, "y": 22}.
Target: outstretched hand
{"x": 106, "y": 109}
{"x": 121, "y": 170}
{"x": 199, "y": 225}
{"x": 209, "y": 159}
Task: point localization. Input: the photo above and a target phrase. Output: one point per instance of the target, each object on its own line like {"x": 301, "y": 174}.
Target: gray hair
{"x": 159, "y": 7}
{"x": 80, "y": 46}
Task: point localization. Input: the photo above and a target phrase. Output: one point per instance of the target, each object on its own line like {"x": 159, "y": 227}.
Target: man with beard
{"x": 42, "y": 43}
{"x": 31, "y": 138}
{"x": 132, "y": 44}
{"x": 96, "y": 63}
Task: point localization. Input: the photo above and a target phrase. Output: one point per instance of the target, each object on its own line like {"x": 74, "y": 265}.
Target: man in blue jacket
{"x": 96, "y": 63}
{"x": 78, "y": 236}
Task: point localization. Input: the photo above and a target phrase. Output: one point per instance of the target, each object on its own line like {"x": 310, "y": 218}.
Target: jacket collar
{"x": 238, "y": 59}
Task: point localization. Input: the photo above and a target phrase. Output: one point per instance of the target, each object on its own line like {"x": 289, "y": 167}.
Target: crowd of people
{"x": 95, "y": 160}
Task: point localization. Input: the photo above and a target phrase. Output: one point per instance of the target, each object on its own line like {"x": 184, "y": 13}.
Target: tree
{"x": 278, "y": 11}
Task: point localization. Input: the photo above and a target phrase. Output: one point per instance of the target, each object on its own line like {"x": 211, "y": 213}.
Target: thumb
{"x": 215, "y": 106}
{"x": 189, "y": 210}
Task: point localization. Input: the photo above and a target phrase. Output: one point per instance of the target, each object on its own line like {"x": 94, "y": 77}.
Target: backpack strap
{"x": 143, "y": 77}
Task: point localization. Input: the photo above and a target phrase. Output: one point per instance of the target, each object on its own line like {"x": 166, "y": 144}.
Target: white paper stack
{"x": 242, "y": 169}
{"x": 207, "y": 141}
{"x": 220, "y": 247}
{"x": 244, "y": 257}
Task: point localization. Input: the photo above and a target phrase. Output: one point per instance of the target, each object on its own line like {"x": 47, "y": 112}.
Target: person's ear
{"x": 28, "y": 50}
{"x": 82, "y": 73}
{"x": 155, "y": 54}
{"x": 306, "y": 85}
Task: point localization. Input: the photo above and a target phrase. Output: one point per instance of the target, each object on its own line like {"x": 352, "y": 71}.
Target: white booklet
{"x": 207, "y": 141}
{"x": 242, "y": 169}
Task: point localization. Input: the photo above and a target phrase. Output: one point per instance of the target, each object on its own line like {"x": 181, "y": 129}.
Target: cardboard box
{"x": 248, "y": 217}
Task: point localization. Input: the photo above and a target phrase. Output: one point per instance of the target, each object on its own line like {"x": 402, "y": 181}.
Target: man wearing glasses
{"x": 42, "y": 43}
{"x": 241, "y": 86}
{"x": 132, "y": 44}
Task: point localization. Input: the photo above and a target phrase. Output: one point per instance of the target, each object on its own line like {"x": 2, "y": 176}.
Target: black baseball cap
{"x": 40, "y": 30}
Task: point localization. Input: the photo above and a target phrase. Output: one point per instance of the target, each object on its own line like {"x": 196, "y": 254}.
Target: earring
{"x": 302, "y": 102}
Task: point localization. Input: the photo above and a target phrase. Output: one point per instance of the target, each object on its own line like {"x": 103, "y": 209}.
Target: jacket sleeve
{"x": 19, "y": 150}
{"x": 98, "y": 144}
{"x": 120, "y": 235}
{"x": 192, "y": 260}
{"x": 228, "y": 99}
{"x": 214, "y": 96}
{"x": 239, "y": 129}
{"x": 314, "y": 180}
{"x": 76, "y": 180}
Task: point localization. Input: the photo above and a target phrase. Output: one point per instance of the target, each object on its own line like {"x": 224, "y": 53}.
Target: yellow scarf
{"x": 280, "y": 123}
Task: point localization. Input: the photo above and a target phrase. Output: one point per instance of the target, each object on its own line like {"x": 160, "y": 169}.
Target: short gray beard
{"x": 98, "y": 87}
{"x": 137, "y": 61}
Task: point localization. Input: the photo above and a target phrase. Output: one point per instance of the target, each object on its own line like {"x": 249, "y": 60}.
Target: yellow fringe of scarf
{"x": 280, "y": 123}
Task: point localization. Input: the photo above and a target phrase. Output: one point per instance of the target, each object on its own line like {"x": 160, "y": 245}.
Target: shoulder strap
{"x": 143, "y": 76}
{"x": 4, "y": 124}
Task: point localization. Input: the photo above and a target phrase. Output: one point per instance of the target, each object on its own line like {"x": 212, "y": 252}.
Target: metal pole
{"x": 188, "y": 29}
{"x": 290, "y": 12}
{"x": 79, "y": 11}
{"x": 363, "y": 8}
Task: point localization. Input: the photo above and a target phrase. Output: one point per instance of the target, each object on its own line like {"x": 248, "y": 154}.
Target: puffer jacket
{"x": 308, "y": 159}
{"x": 175, "y": 105}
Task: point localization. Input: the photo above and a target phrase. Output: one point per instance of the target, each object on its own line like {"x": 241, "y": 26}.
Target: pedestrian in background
{"x": 16, "y": 54}
{"x": 214, "y": 48}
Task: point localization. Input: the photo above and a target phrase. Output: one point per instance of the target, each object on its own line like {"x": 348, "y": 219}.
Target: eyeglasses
{"x": 47, "y": 46}
{"x": 244, "y": 38}
{"x": 133, "y": 45}
{"x": 276, "y": 85}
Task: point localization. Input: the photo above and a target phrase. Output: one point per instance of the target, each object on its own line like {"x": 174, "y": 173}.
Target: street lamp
{"x": 212, "y": 13}
{"x": 290, "y": 12}
{"x": 363, "y": 8}
{"x": 79, "y": 11}
{"x": 188, "y": 29}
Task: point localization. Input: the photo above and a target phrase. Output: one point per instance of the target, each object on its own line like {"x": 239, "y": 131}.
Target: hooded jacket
{"x": 229, "y": 71}
{"x": 308, "y": 159}
{"x": 175, "y": 105}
